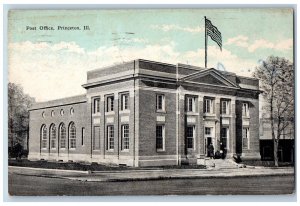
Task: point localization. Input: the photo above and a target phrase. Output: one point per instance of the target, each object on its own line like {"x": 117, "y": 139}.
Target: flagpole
{"x": 205, "y": 43}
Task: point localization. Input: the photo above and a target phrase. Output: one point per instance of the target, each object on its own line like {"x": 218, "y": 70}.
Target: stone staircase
{"x": 221, "y": 163}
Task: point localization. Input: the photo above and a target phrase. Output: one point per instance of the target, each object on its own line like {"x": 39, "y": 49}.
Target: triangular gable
{"x": 209, "y": 76}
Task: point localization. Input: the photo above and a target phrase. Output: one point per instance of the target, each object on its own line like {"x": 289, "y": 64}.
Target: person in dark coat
{"x": 222, "y": 150}
{"x": 210, "y": 149}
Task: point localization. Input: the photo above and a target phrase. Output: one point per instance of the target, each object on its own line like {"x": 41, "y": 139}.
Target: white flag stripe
{"x": 215, "y": 38}
{"x": 214, "y": 33}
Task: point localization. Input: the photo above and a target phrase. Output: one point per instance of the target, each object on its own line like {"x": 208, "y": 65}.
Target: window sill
{"x": 125, "y": 150}
{"x": 110, "y": 113}
{"x": 246, "y": 117}
{"x": 226, "y": 115}
{"x": 160, "y": 150}
{"x": 192, "y": 113}
{"x": 96, "y": 114}
{"x": 209, "y": 114}
{"x": 127, "y": 111}
{"x": 63, "y": 149}
{"x": 110, "y": 150}
{"x": 161, "y": 111}
{"x": 72, "y": 149}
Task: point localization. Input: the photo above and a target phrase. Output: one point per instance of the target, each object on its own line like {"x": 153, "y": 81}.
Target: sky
{"x": 52, "y": 64}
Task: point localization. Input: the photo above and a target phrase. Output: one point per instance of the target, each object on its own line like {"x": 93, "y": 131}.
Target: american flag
{"x": 213, "y": 32}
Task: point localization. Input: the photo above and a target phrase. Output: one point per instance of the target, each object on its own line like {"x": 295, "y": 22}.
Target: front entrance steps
{"x": 218, "y": 163}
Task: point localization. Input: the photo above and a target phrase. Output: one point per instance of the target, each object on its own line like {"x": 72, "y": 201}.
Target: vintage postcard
{"x": 151, "y": 102}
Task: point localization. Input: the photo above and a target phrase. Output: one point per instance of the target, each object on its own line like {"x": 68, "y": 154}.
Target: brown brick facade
{"x": 182, "y": 134}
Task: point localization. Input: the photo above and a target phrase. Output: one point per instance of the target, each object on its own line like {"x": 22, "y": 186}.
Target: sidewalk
{"x": 136, "y": 175}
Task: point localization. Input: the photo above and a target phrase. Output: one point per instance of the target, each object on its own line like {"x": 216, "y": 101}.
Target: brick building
{"x": 143, "y": 113}
{"x": 286, "y": 147}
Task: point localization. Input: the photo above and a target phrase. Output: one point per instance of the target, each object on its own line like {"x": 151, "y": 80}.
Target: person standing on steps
{"x": 210, "y": 149}
{"x": 222, "y": 150}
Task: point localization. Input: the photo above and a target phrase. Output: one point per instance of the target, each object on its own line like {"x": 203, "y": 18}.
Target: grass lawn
{"x": 88, "y": 166}
{"x": 266, "y": 163}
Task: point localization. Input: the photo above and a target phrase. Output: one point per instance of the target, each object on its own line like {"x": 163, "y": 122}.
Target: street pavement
{"x": 151, "y": 174}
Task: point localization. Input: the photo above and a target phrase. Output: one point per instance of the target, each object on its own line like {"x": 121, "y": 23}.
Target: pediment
{"x": 209, "y": 76}
{"x": 208, "y": 79}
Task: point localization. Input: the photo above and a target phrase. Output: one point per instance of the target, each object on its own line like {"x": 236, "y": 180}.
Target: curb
{"x": 144, "y": 170}
{"x": 171, "y": 177}
{"x": 161, "y": 177}
{"x": 186, "y": 177}
{"x": 52, "y": 170}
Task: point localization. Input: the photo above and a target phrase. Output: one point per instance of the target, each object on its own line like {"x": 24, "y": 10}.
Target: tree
{"x": 276, "y": 76}
{"x": 18, "y": 115}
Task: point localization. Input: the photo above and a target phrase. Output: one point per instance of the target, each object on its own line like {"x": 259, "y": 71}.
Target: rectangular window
{"x": 96, "y": 138}
{"x": 225, "y": 107}
{"x": 110, "y": 104}
{"x": 125, "y": 137}
{"x": 246, "y": 138}
{"x": 124, "y": 101}
{"x": 208, "y": 106}
{"x": 160, "y": 102}
{"x": 110, "y": 137}
{"x": 190, "y": 133}
{"x": 246, "y": 109}
{"x": 96, "y": 106}
{"x": 82, "y": 136}
{"x": 160, "y": 135}
{"x": 224, "y": 136}
{"x": 191, "y": 104}
{"x": 207, "y": 131}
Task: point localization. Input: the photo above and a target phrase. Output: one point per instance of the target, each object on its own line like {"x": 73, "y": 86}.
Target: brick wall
{"x": 80, "y": 117}
{"x": 147, "y": 125}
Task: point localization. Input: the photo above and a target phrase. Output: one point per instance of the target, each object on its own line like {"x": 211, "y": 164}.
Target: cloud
{"x": 29, "y": 46}
{"x": 173, "y": 27}
{"x": 50, "y": 71}
{"x": 243, "y": 41}
{"x": 69, "y": 46}
{"x": 286, "y": 44}
{"x": 139, "y": 40}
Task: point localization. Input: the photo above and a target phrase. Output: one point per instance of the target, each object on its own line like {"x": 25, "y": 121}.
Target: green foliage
{"x": 276, "y": 76}
{"x": 18, "y": 115}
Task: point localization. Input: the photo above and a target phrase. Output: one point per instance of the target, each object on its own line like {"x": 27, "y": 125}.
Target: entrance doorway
{"x": 208, "y": 138}
{"x": 208, "y": 141}
{"x": 224, "y": 137}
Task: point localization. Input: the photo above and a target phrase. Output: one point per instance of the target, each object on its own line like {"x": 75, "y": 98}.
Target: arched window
{"x": 53, "y": 136}
{"x": 44, "y": 136}
{"x": 62, "y": 135}
{"x": 71, "y": 111}
{"x": 72, "y": 135}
